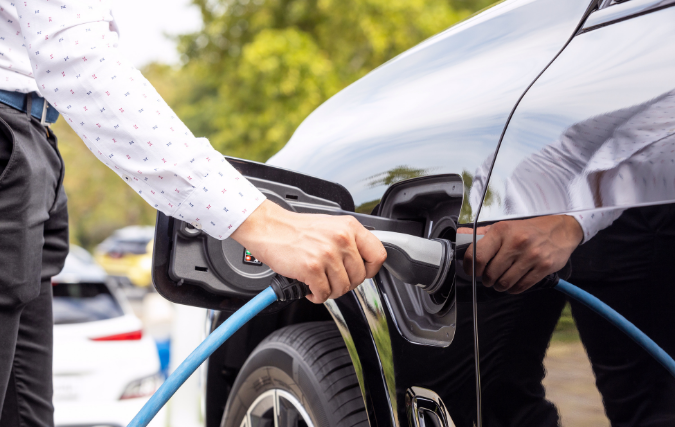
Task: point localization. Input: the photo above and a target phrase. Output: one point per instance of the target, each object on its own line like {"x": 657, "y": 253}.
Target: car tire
{"x": 304, "y": 367}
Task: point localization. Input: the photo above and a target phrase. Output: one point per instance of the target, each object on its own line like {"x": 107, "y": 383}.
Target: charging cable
{"x": 619, "y": 321}
{"x": 281, "y": 289}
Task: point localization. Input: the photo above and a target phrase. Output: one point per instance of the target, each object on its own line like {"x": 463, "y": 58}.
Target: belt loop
{"x": 29, "y": 104}
{"x": 43, "y": 121}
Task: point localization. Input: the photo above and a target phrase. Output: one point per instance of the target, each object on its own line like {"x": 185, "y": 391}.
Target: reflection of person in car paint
{"x": 617, "y": 160}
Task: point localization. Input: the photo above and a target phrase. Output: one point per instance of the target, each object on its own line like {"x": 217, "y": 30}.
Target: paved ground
{"x": 570, "y": 385}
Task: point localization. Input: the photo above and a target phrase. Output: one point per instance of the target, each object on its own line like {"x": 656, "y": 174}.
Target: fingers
{"x": 338, "y": 280}
{"x": 332, "y": 255}
{"x": 314, "y": 276}
{"x": 355, "y": 267}
{"x": 508, "y": 275}
{"x": 509, "y": 264}
{"x": 370, "y": 249}
{"x": 353, "y": 255}
{"x": 530, "y": 279}
{"x": 487, "y": 247}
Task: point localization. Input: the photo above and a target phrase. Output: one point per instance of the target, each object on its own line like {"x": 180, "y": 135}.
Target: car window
{"x": 84, "y": 302}
{"x": 121, "y": 247}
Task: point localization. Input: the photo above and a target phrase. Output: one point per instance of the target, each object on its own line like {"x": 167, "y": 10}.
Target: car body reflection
{"x": 439, "y": 107}
{"x": 597, "y": 130}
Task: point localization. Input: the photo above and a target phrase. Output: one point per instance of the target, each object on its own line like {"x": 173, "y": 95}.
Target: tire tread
{"x": 321, "y": 346}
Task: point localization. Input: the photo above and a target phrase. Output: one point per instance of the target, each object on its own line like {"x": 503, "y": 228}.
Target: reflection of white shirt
{"x": 615, "y": 160}
{"x": 67, "y": 51}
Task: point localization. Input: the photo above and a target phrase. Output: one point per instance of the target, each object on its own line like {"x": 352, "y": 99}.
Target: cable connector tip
{"x": 288, "y": 289}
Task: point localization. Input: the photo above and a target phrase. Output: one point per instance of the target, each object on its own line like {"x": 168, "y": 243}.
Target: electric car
{"x": 104, "y": 367}
{"x": 530, "y": 108}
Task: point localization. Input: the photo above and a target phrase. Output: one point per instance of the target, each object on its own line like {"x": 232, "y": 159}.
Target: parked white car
{"x": 105, "y": 368}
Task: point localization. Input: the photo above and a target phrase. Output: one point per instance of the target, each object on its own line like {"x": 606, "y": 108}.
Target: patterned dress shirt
{"x": 66, "y": 50}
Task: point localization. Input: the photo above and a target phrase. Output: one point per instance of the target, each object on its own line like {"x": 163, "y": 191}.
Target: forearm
{"x": 124, "y": 121}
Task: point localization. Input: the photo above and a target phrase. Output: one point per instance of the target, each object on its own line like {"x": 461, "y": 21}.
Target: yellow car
{"x": 127, "y": 254}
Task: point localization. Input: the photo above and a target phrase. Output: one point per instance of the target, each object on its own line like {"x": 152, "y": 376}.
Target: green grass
{"x": 566, "y": 330}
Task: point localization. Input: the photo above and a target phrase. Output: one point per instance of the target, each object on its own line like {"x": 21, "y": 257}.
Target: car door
{"x": 594, "y": 137}
{"x": 568, "y": 144}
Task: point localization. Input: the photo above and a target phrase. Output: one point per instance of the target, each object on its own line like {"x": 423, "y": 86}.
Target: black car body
{"x": 473, "y": 126}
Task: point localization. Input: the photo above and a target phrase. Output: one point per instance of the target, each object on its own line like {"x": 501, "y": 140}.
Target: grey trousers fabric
{"x": 33, "y": 247}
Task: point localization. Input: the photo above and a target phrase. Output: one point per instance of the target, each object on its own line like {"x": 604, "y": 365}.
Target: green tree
{"x": 258, "y": 68}
{"x": 491, "y": 197}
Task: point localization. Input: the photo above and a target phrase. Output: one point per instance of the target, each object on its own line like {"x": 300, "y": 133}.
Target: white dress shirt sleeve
{"x": 592, "y": 222}
{"x": 72, "y": 45}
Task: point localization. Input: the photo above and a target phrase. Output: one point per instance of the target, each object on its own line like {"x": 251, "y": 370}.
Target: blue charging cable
{"x": 619, "y": 321}
{"x": 200, "y": 354}
{"x": 283, "y": 289}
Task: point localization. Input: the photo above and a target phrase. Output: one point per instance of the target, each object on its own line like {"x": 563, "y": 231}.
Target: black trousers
{"x": 629, "y": 266}
{"x": 33, "y": 247}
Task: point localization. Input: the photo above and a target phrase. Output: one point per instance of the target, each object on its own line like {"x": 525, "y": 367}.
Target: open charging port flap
{"x": 435, "y": 202}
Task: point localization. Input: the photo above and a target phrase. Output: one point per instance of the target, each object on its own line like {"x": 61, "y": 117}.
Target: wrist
{"x": 255, "y": 229}
{"x": 573, "y": 231}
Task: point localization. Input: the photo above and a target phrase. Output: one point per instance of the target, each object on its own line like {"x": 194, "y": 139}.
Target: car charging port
{"x": 445, "y": 288}
{"x": 423, "y": 305}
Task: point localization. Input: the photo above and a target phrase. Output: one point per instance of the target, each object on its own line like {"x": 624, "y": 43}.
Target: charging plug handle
{"x": 411, "y": 259}
{"x": 416, "y": 260}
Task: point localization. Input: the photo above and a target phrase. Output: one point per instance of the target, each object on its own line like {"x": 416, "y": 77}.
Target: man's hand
{"x": 515, "y": 255}
{"x": 331, "y": 254}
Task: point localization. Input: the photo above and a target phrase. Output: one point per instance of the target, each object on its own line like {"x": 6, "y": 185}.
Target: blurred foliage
{"x": 399, "y": 173}
{"x": 253, "y": 73}
{"x": 259, "y": 67}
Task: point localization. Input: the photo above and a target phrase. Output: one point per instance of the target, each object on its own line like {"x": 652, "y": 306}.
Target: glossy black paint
{"x": 376, "y": 398}
{"x": 593, "y": 127}
{"x": 437, "y": 108}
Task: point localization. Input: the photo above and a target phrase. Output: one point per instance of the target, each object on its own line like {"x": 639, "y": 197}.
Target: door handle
{"x": 426, "y": 409}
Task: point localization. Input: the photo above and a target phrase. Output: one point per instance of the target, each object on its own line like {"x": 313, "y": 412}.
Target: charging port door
{"x": 434, "y": 202}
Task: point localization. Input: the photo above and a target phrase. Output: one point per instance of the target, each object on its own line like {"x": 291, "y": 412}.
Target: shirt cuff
{"x": 220, "y": 202}
{"x": 592, "y": 222}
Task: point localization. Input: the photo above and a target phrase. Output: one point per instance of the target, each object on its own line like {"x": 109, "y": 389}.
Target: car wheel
{"x": 300, "y": 376}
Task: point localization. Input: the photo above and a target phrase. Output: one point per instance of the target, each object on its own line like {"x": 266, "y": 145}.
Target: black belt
{"x": 39, "y": 107}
